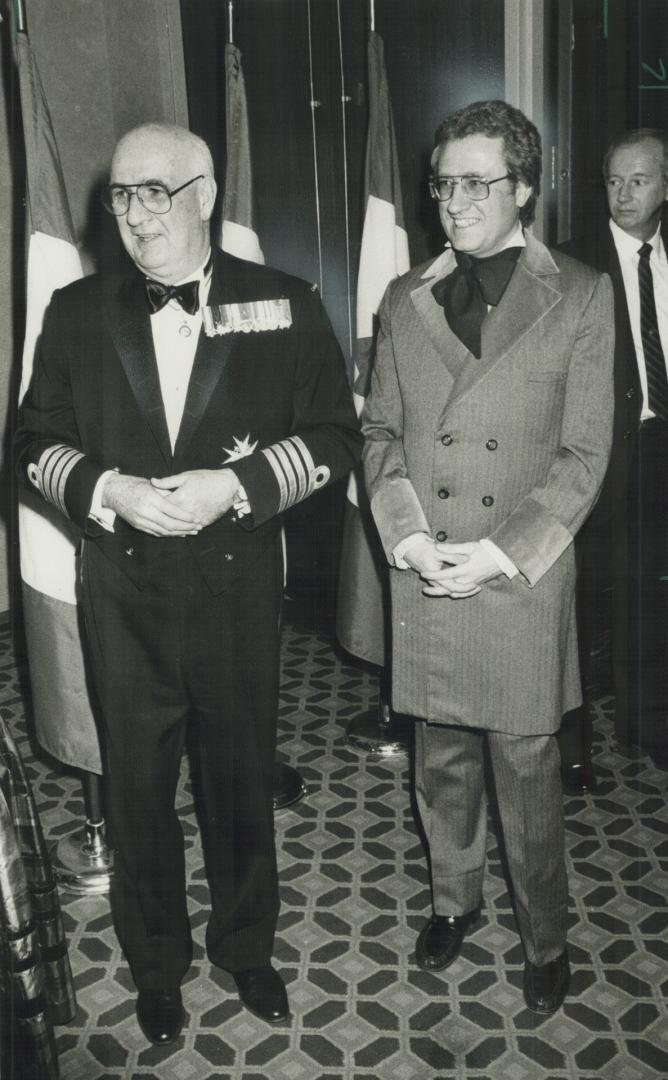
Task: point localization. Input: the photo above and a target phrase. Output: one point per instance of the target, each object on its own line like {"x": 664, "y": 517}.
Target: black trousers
{"x": 163, "y": 656}
{"x": 594, "y": 613}
{"x": 640, "y": 629}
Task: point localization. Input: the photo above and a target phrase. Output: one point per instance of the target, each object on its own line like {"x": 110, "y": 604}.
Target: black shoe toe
{"x": 160, "y": 1015}
{"x": 263, "y": 993}
{"x": 546, "y": 986}
{"x": 440, "y": 940}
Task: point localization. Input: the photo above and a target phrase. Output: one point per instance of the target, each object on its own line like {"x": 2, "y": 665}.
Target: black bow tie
{"x": 158, "y": 295}
{"x": 465, "y": 293}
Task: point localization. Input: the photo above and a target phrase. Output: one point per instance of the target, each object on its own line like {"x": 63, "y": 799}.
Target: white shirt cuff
{"x": 102, "y": 514}
{"x": 504, "y": 563}
{"x": 241, "y": 505}
{"x": 405, "y": 545}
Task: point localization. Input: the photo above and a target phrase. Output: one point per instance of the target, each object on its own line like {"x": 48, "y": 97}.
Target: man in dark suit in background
{"x": 625, "y": 540}
{"x": 176, "y": 452}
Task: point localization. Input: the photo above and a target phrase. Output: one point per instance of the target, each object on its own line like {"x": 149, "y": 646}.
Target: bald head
{"x": 176, "y": 143}
{"x": 172, "y": 245}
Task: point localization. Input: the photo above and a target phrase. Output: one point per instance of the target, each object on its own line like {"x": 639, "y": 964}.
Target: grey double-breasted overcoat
{"x": 512, "y": 446}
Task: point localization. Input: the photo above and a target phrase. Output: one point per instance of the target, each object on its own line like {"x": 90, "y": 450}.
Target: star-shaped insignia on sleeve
{"x": 242, "y": 448}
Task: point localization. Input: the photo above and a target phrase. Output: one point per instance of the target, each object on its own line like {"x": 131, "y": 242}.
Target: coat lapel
{"x": 211, "y": 359}
{"x": 450, "y": 349}
{"x": 130, "y": 329}
{"x": 532, "y": 292}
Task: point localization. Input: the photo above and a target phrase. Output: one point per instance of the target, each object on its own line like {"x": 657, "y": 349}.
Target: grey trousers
{"x": 452, "y": 801}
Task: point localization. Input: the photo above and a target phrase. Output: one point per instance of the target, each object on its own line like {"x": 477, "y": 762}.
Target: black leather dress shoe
{"x": 160, "y": 1015}
{"x": 578, "y": 779}
{"x": 545, "y": 987}
{"x": 440, "y": 940}
{"x": 263, "y": 993}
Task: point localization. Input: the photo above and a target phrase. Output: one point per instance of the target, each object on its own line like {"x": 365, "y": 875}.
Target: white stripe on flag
{"x": 52, "y": 263}
{"x": 383, "y": 256}
{"x": 47, "y": 549}
{"x": 241, "y": 241}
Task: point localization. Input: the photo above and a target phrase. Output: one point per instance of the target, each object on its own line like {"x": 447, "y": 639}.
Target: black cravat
{"x": 158, "y": 295}
{"x": 465, "y": 293}
{"x": 655, "y": 364}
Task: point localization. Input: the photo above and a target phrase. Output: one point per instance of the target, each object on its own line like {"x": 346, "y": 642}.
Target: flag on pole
{"x": 237, "y": 235}
{"x": 64, "y": 722}
{"x": 360, "y": 619}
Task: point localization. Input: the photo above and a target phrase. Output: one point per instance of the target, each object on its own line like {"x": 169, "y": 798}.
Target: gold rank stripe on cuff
{"x": 296, "y": 473}
{"x": 52, "y": 471}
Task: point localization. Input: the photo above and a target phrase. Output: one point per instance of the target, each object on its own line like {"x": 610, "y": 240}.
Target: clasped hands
{"x": 456, "y": 570}
{"x": 179, "y": 505}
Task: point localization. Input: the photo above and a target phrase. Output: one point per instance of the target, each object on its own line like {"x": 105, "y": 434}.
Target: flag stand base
{"x": 289, "y": 787}
{"x": 378, "y": 732}
{"x": 83, "y": 863}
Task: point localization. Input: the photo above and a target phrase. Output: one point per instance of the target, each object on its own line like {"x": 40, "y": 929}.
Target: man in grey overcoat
{"x": 488, "y": 431}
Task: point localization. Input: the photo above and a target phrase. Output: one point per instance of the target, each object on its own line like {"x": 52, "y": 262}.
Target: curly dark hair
{"x": 521, "y": 142}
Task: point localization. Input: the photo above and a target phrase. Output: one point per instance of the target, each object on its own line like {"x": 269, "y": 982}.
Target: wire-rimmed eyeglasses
{"x": 153, "y": 195}
{"x": 443, "y": 187}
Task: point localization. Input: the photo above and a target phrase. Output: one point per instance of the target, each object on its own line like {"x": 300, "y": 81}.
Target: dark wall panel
{"x": 612, "y": 90}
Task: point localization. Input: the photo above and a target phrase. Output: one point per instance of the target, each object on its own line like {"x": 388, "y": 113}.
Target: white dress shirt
{"x": 175, "y": 335}
{"x": 627, "y": 251}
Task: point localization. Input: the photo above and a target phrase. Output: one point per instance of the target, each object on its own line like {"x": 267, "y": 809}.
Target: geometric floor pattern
{"x": 355, "y": 892}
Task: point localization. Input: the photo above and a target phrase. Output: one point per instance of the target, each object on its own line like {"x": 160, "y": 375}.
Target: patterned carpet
{"x": 354, "y": 894}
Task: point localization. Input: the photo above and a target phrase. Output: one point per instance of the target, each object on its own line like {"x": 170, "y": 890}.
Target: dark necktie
{"x": 465, "y": 293}
{"x": 655, "y": 364}
{"x": 158, "y": 295}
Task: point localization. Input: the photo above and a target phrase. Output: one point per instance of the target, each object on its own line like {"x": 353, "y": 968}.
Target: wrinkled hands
{"x": 455, "y": 570}
{"x": 179, "y": 505}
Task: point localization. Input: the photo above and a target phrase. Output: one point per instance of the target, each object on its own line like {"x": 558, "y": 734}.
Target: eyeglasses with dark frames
{"x": 153, "y": 195}
{"x": 443, "y": 187}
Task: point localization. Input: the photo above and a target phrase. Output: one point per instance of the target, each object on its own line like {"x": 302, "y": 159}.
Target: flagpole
{"x": 345, "y": 98}
{"x": 83, "y": 862}
{"x": 314, "y": 105}
{"x": 20, "y": 14}
{"x": 230, "y": 21}
{"x": 362, "y": 616}
{"x": 372, "y": 16}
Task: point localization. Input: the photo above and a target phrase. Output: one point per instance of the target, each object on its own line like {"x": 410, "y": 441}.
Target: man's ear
{"x": 207, "y": 197}
{"x": 522, "y": 193}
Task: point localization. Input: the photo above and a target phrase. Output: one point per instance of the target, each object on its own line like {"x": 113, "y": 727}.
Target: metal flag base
{"x": 289, "y": 787}
{"x": 82, "y": 861}
{"x": 378, "y": 732}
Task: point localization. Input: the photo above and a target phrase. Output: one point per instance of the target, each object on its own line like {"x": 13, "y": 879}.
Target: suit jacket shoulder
{"x": 575, "y": 270}
{"x": 256, "y": 280}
